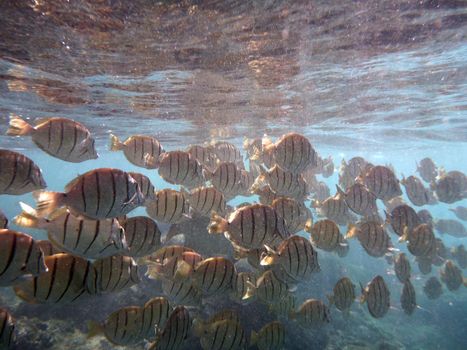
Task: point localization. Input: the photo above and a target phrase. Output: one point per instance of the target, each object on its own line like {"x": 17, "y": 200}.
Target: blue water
{"x": 381, "y": 80}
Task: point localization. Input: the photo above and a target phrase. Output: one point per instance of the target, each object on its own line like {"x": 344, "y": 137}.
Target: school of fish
{"x": 94, "y": 247}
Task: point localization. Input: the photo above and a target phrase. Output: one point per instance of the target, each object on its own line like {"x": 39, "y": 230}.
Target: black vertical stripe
{"x": 70, "y": 279}
{"x": 52, "y": 277}
{"x": 61, "y": 138}
{"x": 83, "y": 194}
{"x": 114, "y": 193}
{"x": 12, "y": 253}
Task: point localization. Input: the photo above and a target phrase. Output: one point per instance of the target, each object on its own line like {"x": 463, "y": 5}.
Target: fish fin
{"x": 266, "y": 143}
{"x": 94, "y": 329}
{"x": 363, "y": 296}
{"x": 115, "y": 143}
{"x": 339, "y": 190}
{"x": 239, "y": 252}
{"x": 315, "y": 203}
{"x": 57, "y": 213}
{"x": 19, "y": 127}
{"x": 154, "y": 270}
{"x": 250, "y": 290}
{"x": 47, "y": 202}
{"x": 28, "y": 217}
{"x": 253, "y": 338}
{"x": 405, "y": 235}
{"x": 24, "y": 295}
{"x": 174, "y": 230}
{"x": 331, "y": 299}
{"x": 388, "y": 217}
{"x": 183, "y": 271}
{"x": 207, "y": 174}
{"x": 352, "y": 231}
{"x": 269, "y": 257}
{"x": 218, "y": 224}
{"x": 259, "y": 182}
{"x": 308, "y": 225}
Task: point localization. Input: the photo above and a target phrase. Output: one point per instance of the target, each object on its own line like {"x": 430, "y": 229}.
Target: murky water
{"x": 385, "y": 80}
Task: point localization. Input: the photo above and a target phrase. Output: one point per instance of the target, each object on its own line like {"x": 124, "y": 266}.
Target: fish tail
{"x": 308, "y": 225}
{"x": 154, "y": 270}
{"x": 198, "y": 327}
{"x": 253, "y": 338}
{"x": 259, "y": 182}
{"x": 218, "y": 224}
{"x": 250, "y": 290}
{"x": 150, "y": 161}
{"x": 115, "y": 143}
{"x": 352, "y": 231}
{"x": 94, "y": 329}
{"x": 331, "y": 299}
{"x": 28, "y": 217}
{"x": 19, "y": 127}
{"x": 47, "y": 202}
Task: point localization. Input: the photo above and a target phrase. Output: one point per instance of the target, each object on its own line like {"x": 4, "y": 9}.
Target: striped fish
{"x": 292, "y": 152}
{"x": 451, "y": 276}
{"x": 359, "y": 199}
{"x": 175, "y": 267}
{"x": 142, "y": 235}
{"x": 205, "y": 200}
{"x": 155, "y": 313}
{"x": 325, "y": 234}
{"x": 450, "y": 227}
{"x": 372, "y": 237}
{"x": 203, "y": 155}
{"x": 220, "y": 335}
{"x": 67, "y": 278}
{"x": 270, "y": 337}
{"x": 427, "y": 170}
{"x": 62, "y": 138}
{"x": 170, "y": 207}
{"x": 334, "y": 208}
{"x": 312, "y": 313}
{"x": 403, "y": 216}
{"x": 175, "y": 332}
{"x": 416, "y": 192}
{"x": 7, "y": 330}
{"x": 296, "y": 255}
{"x": 179, "y": 168}
{"x": 376, "y": 294}
{"x": 408, "y": 298}
{"x": 226, "y": 178}
{"x": 246, "y": 181}
{"x": 145, "y": 186}
{"x": 382, "y": 182}
{"x": 3, "y": 220}
{"x": 421, "y": 241}
{"x": 122, "y": 327}
{"x": 20, "y": 257}
{"x": 320, "y": 191}
{"x": 269, "y": 288}
{"x": 240, "y": 286}
{"x": 460, "y": 212}
{"x": 424, "y": 264}
{"x": 115, "y": 273}
{"x": 402, "y": 267}
{"x": 92, "y": 239}
{"x": 343, "y": 295}
{"x": 97, "y": 194}
{"x": 225, "y": 152}
{"x": 251, "y": 226}
{"x": 348, "y": 172}
{"x": 181, "y": 292}
{"x": 168, "y": 251}
{"x": 266, "y": 195}
{"x": 450, "y": 187}
{"x": 214, "y": 275}
{"x": 19, "y": 174}
{"x": 433, "y": 288}
{"x": 282, "y": 182}
{"x": 135, "y": 148}
{"x": 285, "y": 306}
{"x": 293, "y": 212}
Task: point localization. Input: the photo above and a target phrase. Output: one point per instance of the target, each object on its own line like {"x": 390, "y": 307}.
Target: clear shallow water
{"x": 383, "y": 80}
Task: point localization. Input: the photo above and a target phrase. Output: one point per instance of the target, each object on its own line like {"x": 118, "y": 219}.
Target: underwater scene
{"x": 231, "y": 174}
